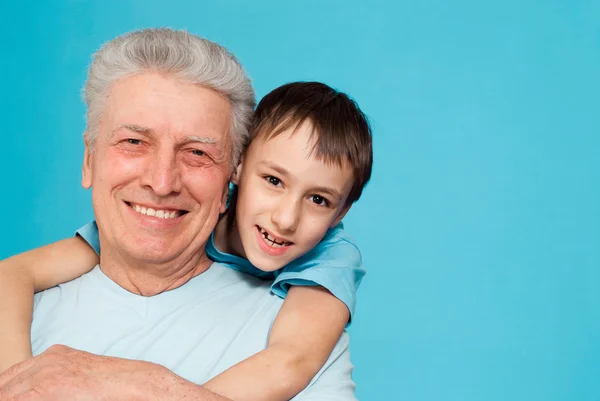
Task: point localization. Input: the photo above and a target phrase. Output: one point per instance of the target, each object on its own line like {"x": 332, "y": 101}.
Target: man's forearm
{"x": 60, "y": 372}
{"x": 176, "y": 388}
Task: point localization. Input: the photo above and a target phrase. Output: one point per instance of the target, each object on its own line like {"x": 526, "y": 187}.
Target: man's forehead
{"x": 152, "y": 104}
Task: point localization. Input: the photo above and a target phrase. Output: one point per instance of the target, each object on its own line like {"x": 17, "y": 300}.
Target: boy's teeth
{"x": 163, "y": 214}
{"x": 272, "y": 240}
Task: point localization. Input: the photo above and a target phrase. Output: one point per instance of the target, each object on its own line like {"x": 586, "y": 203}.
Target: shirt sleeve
{"x": 335, "y": 264}
{"x": 334, "y": 381}
{"x": 89, "y": 233}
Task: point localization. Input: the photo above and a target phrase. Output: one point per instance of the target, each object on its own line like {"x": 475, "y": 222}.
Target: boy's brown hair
{"x": 341, "y": 131}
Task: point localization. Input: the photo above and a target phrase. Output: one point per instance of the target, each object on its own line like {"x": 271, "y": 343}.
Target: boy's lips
{"x": 271, "y": 248}
{"x": 273, "y": 239}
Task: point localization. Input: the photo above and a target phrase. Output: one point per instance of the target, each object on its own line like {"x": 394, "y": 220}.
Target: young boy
{"x": 307, "y": 161}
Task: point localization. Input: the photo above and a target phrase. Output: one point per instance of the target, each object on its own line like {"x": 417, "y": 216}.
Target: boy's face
{"x": 287, "y": 199}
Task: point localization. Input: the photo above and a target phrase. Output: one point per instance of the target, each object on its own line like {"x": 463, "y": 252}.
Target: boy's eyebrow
{"x": 284, "y": 172}
{"x": 329, "y": 191}
{"x": 276, "y": 167}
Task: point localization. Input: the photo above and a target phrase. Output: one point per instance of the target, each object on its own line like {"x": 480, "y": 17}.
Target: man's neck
{"x": 227, "y": 237}
{"x": 148, "y": 279}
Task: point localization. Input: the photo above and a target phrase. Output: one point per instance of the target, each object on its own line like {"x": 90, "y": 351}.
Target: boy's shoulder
{"x": 337, "y": 245}
{"x": 337, "y": 235}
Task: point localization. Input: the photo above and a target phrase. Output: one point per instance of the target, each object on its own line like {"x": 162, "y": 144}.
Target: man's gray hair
{"x": 176, "y": 53}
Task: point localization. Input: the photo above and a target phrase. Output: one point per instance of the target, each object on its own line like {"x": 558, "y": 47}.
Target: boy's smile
{"x": 271, "y": 244}
{"x": 287, "y": 198}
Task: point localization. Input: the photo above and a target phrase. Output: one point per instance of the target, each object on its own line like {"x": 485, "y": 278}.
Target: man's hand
{"x": 62, "y": 373}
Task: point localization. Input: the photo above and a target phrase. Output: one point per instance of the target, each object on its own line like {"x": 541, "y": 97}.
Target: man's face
{"x": 287, "y": 198}
{"x": 159, "y": 168}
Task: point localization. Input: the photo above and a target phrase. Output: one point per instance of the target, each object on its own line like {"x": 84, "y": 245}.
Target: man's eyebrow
{"x": 219, "y": 151}
{"x": 200, "y": 139}
{"x": 135, "y": 128}
{"x": 140, "y": 129}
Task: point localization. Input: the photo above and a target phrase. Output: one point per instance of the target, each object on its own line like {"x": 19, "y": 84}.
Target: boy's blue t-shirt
{"x": 335, "y": 264}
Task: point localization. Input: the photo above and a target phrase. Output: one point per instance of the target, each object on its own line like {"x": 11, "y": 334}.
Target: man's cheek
{"x": 201, "y": 182}
{"x": 123, "y": 170}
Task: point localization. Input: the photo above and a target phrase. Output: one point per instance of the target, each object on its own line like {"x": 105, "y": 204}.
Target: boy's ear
{"x": 86, "y": 168}
{"x": 340, "y": 216}
{"x": 237, "y": 173}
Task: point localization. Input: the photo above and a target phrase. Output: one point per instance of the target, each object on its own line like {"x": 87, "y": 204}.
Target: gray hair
{"x": 177, "y": 53}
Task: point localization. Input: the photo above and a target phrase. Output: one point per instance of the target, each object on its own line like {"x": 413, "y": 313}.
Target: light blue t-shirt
{"x": 335, "y": 264}
{"x": 197, "y": 330}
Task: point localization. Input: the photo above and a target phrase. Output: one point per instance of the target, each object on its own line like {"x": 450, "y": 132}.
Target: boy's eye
{"x": 319, "y": 200}
{"x": 273, "y": 180}
{"x": 134, "y": 141}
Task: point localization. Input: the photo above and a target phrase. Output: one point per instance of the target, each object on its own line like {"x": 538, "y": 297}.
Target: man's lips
{"x": 163, "y": 212}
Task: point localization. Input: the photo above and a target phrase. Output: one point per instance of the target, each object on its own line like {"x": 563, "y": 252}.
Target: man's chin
{"x": 151, "y": 251}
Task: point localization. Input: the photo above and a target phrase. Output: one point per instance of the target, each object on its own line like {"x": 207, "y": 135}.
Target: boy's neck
{"x": 227, "y": 237}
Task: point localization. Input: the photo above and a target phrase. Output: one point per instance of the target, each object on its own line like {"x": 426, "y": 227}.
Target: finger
{"x": 16, "y": 387}
{"x": 16, "y": 370}
{"x": 22, "y": 383}
{"x": 31, "y": 395}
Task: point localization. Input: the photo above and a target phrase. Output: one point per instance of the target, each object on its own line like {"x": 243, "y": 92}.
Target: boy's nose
{"x": 287, "y": 215}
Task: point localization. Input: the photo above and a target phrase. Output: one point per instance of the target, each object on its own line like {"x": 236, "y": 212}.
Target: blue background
{"x": 481, "y": 226}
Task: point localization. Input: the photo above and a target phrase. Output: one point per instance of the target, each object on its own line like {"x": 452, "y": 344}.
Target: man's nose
{"x": 287, "y": 214}
{"x": 162, "y": 174}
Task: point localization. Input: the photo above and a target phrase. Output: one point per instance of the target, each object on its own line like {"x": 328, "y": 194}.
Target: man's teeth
{"x": 163, "y": 214}
{"x": 273, "y": 241}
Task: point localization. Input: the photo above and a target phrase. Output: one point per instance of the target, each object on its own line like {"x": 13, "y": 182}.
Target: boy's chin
{"x": 267, "y": 264}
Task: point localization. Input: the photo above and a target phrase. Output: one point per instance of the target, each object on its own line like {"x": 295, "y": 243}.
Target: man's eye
{"x": 134, "y": 141}
{"x": 273, "y": 180}
{"x": 197, "y": 152}
{"x": 319, "y": 200}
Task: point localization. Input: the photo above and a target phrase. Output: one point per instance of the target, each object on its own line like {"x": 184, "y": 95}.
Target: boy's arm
{"x": 305, "y": 332}
{"x": 29, "y": 272}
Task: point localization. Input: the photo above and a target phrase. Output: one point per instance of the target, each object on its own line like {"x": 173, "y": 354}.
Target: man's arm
{"x": 63, "y": 373}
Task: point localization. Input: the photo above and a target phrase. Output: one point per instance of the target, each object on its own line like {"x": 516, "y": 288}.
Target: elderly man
{"x": 167, "y": 116}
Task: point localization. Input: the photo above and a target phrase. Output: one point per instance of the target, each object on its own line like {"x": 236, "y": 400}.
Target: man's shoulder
{"x": 83, "y": 280}
{"x": 218, "y": 276}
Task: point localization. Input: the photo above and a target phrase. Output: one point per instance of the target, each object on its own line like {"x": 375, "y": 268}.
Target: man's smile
{"x": 155, "y": 211}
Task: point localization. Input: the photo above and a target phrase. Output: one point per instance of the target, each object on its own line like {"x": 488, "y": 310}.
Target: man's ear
{"x": 340, "y": 216}
{"x": 86, "y": 168}
{"x": 223, "y": 206}
{"x": 237, "y": 173}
